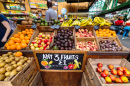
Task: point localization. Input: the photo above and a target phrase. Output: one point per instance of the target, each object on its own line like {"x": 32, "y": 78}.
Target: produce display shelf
{"x": 16, "y": 14}
{"x": 40, "y": 8}
{"x": 14, "y": 3}
{"x": 16, "y": 19}
{"x": 117, "y": 8}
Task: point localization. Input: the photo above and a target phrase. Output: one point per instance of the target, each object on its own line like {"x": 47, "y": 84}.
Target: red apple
{"x": 124, "y": 68}
{"x": 39, "y": 46}
{"x": 114, "y": 72}
{"x": 120, "y": 68}
{"x": 118, "y": 80}
{"x": 40, "y": 33}
{"x": 39, "y": 42}
{"x": 111, "y": 67}
{"x": 126, "y": 73}
{"x": 99, "y": 70}
{"x": 119, "y": 72}
{"x": 103, "y": 75}
{"x": 40, "y": 36}
{"x": 45, "y": 41}
{"x": 112, "y": 77}
{"x": 99, "y": 65}
{"x": 33, "y": 42}
{"x": 106, "y": 72}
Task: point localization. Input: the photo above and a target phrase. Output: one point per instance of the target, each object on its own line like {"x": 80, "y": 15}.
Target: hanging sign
{"x": 59, "y": 61}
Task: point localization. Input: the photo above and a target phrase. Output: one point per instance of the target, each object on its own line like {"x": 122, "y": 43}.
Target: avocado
{"x": 55, "y": 48}
{"x": 55, "y": 21}
{"x": 52, "y": 19}
{"x": 42, "y": 24}
{"x": 39, "y": 21}
{"x": 35, "y": 21}
{"x": 42, "y": 19}
{"x": 59, "y": 24}
{"x": 46, "y": 24}
{"x": 45, "y": 21}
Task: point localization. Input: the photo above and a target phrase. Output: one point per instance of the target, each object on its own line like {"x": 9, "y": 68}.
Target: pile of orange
{"x": 18, "y": 54}
{"x": 105, "y": 33}
{"x": 19, "y": 40}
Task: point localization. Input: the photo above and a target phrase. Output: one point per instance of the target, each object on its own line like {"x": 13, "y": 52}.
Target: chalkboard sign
{"x": 58, "y": 61}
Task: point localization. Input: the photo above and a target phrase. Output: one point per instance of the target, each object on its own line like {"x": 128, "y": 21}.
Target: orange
{"x": 16, "y": 44}
{"x": 23, "y": 41}
{"x": 27, "y": 41}
{"x": 44, "y": 63}
{"x": 27, "y": 38}
{"x": 8, "y": 47}
{"x": 19, "y": 33}
{"x": 17, "y": 40}
{"x": 31, "y": 30}
{"x": 21, "y": 36}
{"x": 16, "y": 35}
{"x": 28, "y": 32}
{"x": 12, "y": 47}
{"x": 18, "y": 47}
{"x": 11, "y": 42}
{"x": 23, "y": 45}
{"x": 114, "y": 35}
{"x": 18, "y": 54}
{"x": 12, "y": 38}
{"x": 31, "y": 33}
{"x": 24, "y": 32}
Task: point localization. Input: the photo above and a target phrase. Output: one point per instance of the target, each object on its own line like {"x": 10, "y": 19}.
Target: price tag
{"x": 77, "y": 27}
{"x": 34, "y": 26}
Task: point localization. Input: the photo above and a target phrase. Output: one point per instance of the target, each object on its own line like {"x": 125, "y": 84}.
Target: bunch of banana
{"x": 70, "y": 21}
{"x": 84, "y": 22}
{"x": 76, "y": 22}
{"x": 65, "y": 24}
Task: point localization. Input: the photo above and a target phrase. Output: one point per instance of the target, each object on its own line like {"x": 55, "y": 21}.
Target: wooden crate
{"x": 20, "y": 28}
{"x": 89, "y": 28}
{"x": 24, "y": 77}
{"x": 84, "y": 80}
{"x": 45, "y": 28}
{"x": 86, "y": 41}
{"x": 42, "y": 30}
{"x": 111, "y": 39}
{"x": 37, "y": 81}
{"x": 98, "y": 80}
{"x": 89, "y": 77}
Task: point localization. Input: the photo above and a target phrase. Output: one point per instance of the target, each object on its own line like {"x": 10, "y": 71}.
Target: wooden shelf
{"x": 14, "y": 3}
{"x": 40, "y": 8}
{"x": 16, "y": 14}
{"x": 16, "y": 19}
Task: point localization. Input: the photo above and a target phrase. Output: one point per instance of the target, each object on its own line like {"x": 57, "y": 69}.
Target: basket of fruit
{"x": 110, "y": 44}
{"x": 64, "y": 39}
{"x": 109, "y": 72}
{"x": 16, "y": 69}
{"x": 105, "y": 33}
{"x": 20, "y": 39}
{"x": 87, "y": 44}
{"x": 42, "y": 39}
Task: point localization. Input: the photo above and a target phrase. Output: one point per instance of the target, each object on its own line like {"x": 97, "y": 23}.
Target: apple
{"x": 120, "y": 68}
{"x": 43, "y": 36}
{"x": 114, "y": 72}
{"x": 45, "y": 41}
{"x": 126, "y": 73}
{"x": 119, "y": 72}
{"x": 106, "y": 72}
{"x": 39, "y": 42}
{"x": 31, "y": 45}
{"x": 48, "y": 43}
{"x": 99, "y": 70}
{"x": 32, "y": 48}
{"x": 108, "y": 79}
{"x": 36, "y": 38}
{"x": 103, "y": 75}
{"x": 35, "y": 45}
{"x": 40, "y": 33}
{"x": 124, "y": 68}
{"x": 40, "y": 36}
{"x": 33, "y": 42}
{"x": 111, "y": 67}
{"x": 42, "y": 43}
{"x": 118, "y": 80}
{"x": 50, "y": 40}
{"x": 48, "y": 36}
{"x": 41, "y": 48}
{"x": 124, "y": 79}
{"x": 37, "y": 48}
{"x": 112, "y": 77}
{"x": 99, "y": 65}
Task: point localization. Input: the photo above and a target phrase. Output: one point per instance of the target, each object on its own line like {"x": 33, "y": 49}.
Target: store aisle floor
{"x": 125, "y": 42}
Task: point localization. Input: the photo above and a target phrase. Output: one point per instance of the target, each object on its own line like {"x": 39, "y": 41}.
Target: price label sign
{"x": 59, "y": 61}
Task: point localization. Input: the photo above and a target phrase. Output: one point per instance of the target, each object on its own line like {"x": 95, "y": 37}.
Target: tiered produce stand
{"x": 66, "y": 65}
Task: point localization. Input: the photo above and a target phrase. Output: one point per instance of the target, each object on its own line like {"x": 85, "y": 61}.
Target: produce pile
{"x": 87, "y": 22}
{"x": 83, "y": 33}
{"x": 11, "y": 64}
{"x": 40, "y": 22}
{"x": 108, "y": 45}
{"x": 64, "y": 40}
{"x": 115, "y": 75}
{"x": 89, "y": 46}
{"x": 41, "y": 42}
{"x": 19, "y": 40}
{"x": 105, "y": 33}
